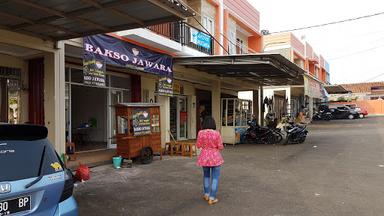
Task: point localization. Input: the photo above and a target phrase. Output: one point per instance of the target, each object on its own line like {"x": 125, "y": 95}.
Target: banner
{"x": 200, "y": 38}
{"x": 165, "y": 86}
{"x": 94, "y": 72}
{"x": 114, "y": 51}
{"x": 141, "y": 122}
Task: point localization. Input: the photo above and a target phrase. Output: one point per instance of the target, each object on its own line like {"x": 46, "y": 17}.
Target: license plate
{"x": 12, "y": 206}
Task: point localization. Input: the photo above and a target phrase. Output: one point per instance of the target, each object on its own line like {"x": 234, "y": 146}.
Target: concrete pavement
{"x": 335, "y": 172}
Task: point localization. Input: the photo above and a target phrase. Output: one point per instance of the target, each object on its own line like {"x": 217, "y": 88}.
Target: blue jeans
{"x": 211, "y": 185}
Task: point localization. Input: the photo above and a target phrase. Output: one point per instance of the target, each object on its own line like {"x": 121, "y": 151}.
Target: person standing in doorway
{"x": 210, "y": 159}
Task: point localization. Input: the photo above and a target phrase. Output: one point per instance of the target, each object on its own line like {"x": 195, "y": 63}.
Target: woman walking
{"x": 209, "y": 140}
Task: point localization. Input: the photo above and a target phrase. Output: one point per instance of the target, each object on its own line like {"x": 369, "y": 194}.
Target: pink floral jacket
{"x": 211, "y": 143}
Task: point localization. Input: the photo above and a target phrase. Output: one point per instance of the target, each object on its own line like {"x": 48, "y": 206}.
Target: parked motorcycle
{"x": 258, "y": 134}
{"x": 296, "y": 133}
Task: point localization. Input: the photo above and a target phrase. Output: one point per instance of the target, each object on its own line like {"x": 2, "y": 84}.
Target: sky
{"x": 354, "y": 50}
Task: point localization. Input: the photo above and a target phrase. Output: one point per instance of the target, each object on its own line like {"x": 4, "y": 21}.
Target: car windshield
{"x": 21, "y": 159}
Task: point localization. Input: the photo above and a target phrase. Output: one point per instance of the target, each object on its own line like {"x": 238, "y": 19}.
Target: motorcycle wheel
{"x": 302, "y": 139}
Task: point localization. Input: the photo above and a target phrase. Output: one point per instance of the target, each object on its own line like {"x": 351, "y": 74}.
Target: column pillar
{"x": 216, "y": 100}
{"x": 164, "y": 102}
{"x": 261, "y": 106}
{"x": 310, "y": 107}
{"x": 54, "y": 96}
{"x": 288, "y": 96}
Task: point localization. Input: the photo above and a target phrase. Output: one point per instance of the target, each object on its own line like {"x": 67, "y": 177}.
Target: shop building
{"x": 310, "y": 92}
{"x": 34, "y": 74}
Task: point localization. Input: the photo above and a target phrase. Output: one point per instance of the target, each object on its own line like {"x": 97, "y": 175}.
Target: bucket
{"x": 117, "y": 162}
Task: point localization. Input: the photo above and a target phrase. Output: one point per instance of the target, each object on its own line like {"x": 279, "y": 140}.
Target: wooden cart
{"x": 138, "y": 132}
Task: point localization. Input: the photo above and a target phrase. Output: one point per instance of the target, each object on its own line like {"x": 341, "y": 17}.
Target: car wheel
{"x": 361, "y": 116}
{"x": 146, "y": 155}
{"x": 350, "y": 116}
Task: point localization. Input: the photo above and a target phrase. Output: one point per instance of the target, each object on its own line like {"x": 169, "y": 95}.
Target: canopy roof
{"x": 64, "y": 19}
{"x": 336, "y": 89}
{"x": 263, "y": 69}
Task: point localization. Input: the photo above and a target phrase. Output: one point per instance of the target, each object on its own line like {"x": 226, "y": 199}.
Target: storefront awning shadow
{"x": 260, "y": 69}
{"x": 58, "y": 20}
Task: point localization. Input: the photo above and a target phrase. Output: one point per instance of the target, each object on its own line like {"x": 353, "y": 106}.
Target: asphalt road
{"x": 339, "y": 170}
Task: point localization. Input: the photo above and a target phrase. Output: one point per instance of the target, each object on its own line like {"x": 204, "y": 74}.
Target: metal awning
{"x": 336, "y": 89}
{"x": 64, "y": 19}
{"x": 263, "y": 69}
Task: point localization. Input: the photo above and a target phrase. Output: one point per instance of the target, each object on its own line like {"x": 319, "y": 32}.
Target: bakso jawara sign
{"x": 110, "y": 50}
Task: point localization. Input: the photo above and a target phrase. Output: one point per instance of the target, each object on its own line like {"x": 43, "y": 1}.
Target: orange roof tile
{"x": 361, "y": 87}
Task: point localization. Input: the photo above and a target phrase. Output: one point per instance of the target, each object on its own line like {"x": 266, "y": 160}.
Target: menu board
{"x": 165, "y": 86}
{"x": 94, "y": 72}
{"x": 141, "y": 122}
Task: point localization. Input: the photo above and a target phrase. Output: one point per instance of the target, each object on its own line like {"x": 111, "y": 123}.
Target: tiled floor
{"x": 92, "y": 158}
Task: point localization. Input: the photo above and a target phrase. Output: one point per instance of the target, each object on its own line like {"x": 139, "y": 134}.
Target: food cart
{"x": 235, "y": 113}
{"x": 138, "y": 131}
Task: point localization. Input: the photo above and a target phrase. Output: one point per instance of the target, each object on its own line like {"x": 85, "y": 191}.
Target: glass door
{"x": 174, "y": 117}
{"x": 183, "y": 118}
{"x": 115, "y": 97}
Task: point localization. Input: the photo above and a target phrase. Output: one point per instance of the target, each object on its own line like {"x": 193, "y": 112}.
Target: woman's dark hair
{"x": 209, "y": 123}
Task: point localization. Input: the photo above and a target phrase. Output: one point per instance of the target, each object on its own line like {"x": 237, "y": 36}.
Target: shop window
{"x": 155, "y": 123}
{"x": 122, "y": 125}
{"x": 209, "y": 24}
{"x": 67, "y": 74}
{"x": 77, "y": 75}
{"x": 231, "y": 112}
{"x": 232, "y": 42}
{"x": 145, "y": 96}
{"x": 127, "y": 96}
{"x": 120, "y": 82}
{"x": 224, "y": 113}
{"x": 239, "y": 46}
{"x": 10, "y": 85}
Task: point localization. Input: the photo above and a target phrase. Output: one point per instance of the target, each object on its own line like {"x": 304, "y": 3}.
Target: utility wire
{"x": 377, "y": 76}
{"x": 358, "y": 52}
{"x": 329, "y": 23}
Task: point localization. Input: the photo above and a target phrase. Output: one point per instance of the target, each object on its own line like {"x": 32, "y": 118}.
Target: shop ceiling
{"x": 261, "y": 69}
{"x": 58, "y": 19}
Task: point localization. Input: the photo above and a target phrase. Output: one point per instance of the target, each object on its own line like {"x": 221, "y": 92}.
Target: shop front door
{"x": 179, "y": 117}
{"x": 116, "y": 97}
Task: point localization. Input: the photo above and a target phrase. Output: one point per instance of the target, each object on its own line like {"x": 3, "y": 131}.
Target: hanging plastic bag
{"x": 82, "y": 173}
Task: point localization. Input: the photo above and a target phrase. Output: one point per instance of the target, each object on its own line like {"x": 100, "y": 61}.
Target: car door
{"x": 20, "y": 163}
{"x": 336, "y": 114}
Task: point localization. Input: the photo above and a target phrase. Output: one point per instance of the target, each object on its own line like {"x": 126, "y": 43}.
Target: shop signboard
{"x": 117, "y": 52}
{"x": 165, "y": 86}
{"x": 178, "y": 89}
{"x": 94, "y": 72}
{"x": 141, "y": 121}
{"x": 200, "y": 38}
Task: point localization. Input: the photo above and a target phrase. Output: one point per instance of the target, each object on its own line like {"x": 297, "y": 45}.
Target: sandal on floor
{"x": 206, "y": 197}
{"x": 212, "y": 202}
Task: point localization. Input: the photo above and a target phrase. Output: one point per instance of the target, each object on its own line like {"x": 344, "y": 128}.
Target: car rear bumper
{"x": 67, "y": 208}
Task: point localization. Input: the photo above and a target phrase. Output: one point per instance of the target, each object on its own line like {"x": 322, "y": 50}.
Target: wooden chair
{"x": 173, "y": 147}
{"x": 70, "y": 149}
{"x": 188, "y": 148}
